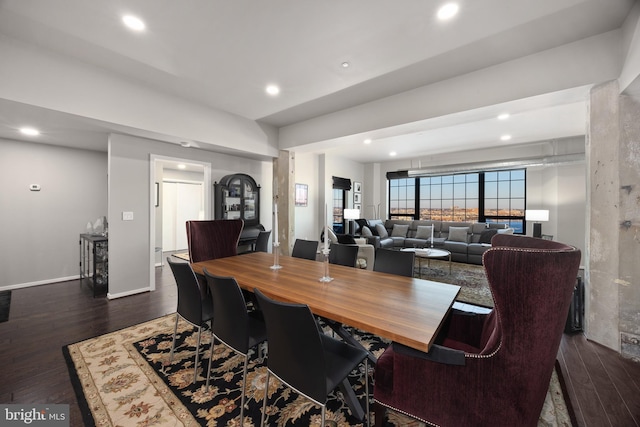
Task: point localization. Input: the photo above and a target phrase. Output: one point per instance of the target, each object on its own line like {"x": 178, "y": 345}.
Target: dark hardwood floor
{"x": 604, "y": 388}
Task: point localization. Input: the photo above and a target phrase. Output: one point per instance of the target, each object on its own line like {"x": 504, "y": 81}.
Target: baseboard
{"x": 127, "y": 293}
{"x": 38, "y": 283}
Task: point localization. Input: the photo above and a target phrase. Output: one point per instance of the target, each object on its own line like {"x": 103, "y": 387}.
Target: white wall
{"x": 40, "y": 229}
{"x": 129, "y": 190}
{"x": 306, "y": 219}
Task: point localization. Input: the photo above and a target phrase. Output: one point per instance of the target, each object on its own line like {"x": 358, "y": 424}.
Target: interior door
{"x": 182, "y": 201}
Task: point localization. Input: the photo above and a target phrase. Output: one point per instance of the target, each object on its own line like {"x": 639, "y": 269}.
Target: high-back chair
{"x": 304, "y": 358}
{"x": 307, "y": 249}
{"x": 489, "y": 369}
{"x": 213, "y": 239}
{"x": 233, "y": 326}
{"x": 394, "y": 262}
{"x": 344, "y": 254}
{"x": 192, "y": 305}
{"x": 262, "y": 242}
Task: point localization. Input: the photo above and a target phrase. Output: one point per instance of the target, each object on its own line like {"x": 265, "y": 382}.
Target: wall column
{"x": 613, "y": 247}
{"x": 284, "y": 194}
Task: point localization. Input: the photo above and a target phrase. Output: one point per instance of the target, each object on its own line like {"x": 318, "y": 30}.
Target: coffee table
{"x": 429, "y": 254}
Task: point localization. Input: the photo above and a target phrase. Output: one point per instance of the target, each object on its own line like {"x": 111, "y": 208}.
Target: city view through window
{"x": 496, "y": 196}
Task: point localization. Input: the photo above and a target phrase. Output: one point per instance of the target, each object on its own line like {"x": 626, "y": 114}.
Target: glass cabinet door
{"x": 249, "y": 202}
{"x": 233, "y": 202}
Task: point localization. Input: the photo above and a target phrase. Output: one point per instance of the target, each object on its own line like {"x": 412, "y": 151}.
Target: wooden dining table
{"x": 403, "y": 309}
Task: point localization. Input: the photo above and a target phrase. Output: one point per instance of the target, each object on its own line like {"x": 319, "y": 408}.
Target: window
{"x": 494, "y": 196}
{"x": 402, "y": 198}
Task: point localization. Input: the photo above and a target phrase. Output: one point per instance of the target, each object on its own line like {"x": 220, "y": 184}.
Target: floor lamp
{"x": 349, "y": 216}
{"x": 537, "y": 216}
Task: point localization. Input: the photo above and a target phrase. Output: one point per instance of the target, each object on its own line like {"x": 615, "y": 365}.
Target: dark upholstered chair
{"x": 192, "y": 306}
{"x": 213, "y": 239}
{"x": 344, "y": 254}
{"x": 394, "y": 262}
{"x": 262, "y": 242}
{"x": 494, "y": 369}
{"x": 303, "y": 357}
{"x": 306, "y": 249}
{"x": 233, "y": 325}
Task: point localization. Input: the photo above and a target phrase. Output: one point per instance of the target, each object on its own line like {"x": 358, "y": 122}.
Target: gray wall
{"x": 40, "y": 229}
{"x": 130, "y": 267}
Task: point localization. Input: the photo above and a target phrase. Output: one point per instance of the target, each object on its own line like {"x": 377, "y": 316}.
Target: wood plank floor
{"x": 604, "y": 388}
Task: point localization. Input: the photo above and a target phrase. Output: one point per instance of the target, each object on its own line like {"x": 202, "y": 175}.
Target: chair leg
{"x": 173, "y": 343}
{"x": 244, "y": 385}
{"x": 366, "y": 384}
{"x": 379, "y": 412}
{"x": 213, "y": 343}
{"x": 195, "y": 367}
{"x": 322, "y": 417}
{"x": 264, "y": 404}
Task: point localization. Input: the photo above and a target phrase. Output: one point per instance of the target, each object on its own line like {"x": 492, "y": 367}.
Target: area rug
{"x": 470, "y": 277}
{"x": 5, "y": 305}
{"x": 124, "y": 379}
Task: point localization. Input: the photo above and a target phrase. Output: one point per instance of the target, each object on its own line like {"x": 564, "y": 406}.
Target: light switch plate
{"x": 127, "y": 216}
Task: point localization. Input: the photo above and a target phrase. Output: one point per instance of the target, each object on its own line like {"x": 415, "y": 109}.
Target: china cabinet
{"x": 237, "y": 196}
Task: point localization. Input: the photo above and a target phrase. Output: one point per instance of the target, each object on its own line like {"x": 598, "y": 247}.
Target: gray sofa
{"x": 466, "y": 241}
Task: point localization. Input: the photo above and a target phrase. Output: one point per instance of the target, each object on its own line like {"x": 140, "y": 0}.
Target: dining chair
{"x": 192, "y": 305}
{"x": 489, "y": 369}
{"x": 344, "y": 255}
{"x": 394, "y": 262}
{"x": 212, "y": 239}
{"x": 233, "y": 325}
{"x": 302, "y": 357}
{"x": 262, "y": 242}
{"x": 307, "y": 249}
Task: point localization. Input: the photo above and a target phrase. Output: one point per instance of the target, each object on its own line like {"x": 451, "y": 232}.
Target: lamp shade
{"x": 536, "y": 215}
{"x": 351, "y": 213}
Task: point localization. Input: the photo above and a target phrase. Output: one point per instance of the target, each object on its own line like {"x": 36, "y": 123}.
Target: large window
{"x": 495, "y": 196}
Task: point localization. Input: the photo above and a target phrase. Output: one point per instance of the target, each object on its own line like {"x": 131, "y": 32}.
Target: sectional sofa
{"x": 466, "y": 241}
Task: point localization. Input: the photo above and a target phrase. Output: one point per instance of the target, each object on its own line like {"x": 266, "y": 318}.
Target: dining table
{"x": 406, "y": 310}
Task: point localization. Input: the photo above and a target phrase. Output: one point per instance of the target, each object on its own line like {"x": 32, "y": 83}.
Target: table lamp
{"x": 350, "y": 215}
{"x": 537, "y": 215}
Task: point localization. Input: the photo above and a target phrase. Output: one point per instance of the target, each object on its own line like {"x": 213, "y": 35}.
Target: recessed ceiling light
{"x": 29, "y": 131}
{"x": 185, "y": 144}
{"x": 182, "y": 166}
{"x": 505, "y": 137}
{"x": 345, "y": 64}
{"x": 134, "y": 23}
{"x": 273, "y": 90}
{"x": 367, "y": 141}
{"x": 448, "y": 11}
{"x": 503, "y": 116}
{"x": 393, "y": 153}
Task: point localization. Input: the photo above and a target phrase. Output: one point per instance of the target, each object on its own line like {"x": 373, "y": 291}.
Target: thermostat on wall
{"x": 34, "y": 187}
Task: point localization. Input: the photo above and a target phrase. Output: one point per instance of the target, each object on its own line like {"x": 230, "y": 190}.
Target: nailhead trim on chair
{"x": 406, "y": 414}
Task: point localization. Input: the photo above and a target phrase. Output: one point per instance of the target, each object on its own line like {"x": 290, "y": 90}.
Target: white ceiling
{"x": 222, "y": 54}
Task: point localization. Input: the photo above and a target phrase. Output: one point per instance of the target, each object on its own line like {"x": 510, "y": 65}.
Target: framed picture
{"x": 302, "y": 194}
{"x": 357, "y": 187}
{"x": 358, "y": 206}
{"x": 357, "y": 198}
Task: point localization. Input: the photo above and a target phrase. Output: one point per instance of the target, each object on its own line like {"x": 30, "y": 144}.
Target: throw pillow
{"x": 361, "y": 224}
{"x": 399, "y": 230}
{"x": 382, "y": 232}
{"x": 346, "y": 239}
{"x": 424, "y": 232}
{"x": 366, "y": 231}
{"x": 458, "y": 234}
{"x": 486, "y": 235}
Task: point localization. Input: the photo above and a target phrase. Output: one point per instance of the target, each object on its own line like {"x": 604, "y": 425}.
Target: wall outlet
{"x": 127, "y": 216}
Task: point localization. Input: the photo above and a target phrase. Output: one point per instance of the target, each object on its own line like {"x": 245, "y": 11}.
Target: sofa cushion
{"x": 366, "y": 231}
{"x": 346, "y": 239}
{"x": 424, "y": 232}
{"x": 458, "y": 234}
{"x": 399, "y": 230}
{"x": 381, "y": 231}
{"x": 332, "y": 236}
{"x": 486, "y": 235}
{"x": 506, "y": 231}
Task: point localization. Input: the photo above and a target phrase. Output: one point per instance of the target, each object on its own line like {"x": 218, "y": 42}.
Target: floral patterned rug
{"x": 124, "y": 379}
{"x": 470, "y": 277}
